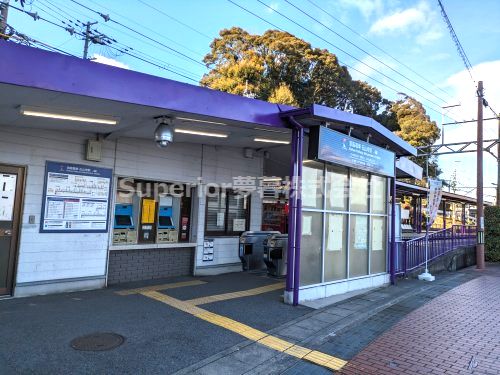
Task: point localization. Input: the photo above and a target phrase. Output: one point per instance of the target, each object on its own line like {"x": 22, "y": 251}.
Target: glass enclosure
{"x": 344, "y": 223}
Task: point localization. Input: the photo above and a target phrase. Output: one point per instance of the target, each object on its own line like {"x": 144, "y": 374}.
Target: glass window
{"x": 227, "y": 214}
{"x": 378, "y": 244}
{"x": 359, "y": 191}
{"x": 337, "y": 188}
{"x": 310, "y": 250}
{"x": 378, "y": 194}
{"x": 336, "y": 247}
{"x": 358, "y": 246}
{"x": 312, "y": 184}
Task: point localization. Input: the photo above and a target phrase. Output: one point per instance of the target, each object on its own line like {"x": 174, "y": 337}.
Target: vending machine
{"x": 124, "y": 230}
{"x": 167, "y": 231}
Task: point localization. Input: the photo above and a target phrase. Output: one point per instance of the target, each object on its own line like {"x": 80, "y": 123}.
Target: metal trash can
{"x": 252, "y": 249}
{"x": 275, "y": 254}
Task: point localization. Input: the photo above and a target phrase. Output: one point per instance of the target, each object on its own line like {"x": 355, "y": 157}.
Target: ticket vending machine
{"x": 167, "y": 232}
{"x": 124, "y": 230}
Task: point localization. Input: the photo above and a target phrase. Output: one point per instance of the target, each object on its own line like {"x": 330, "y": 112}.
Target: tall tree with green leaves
{"x": 265, "y": 64}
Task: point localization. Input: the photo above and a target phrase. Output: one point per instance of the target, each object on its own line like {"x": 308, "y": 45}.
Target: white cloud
{"x": 108, "y": 61}
{"x": 402, "y": 20}
{"x": 272, "y": 7}
{"x": 366, "y": 7}
{"x": 461, "y": 87}
{"x": 429, "y": 36}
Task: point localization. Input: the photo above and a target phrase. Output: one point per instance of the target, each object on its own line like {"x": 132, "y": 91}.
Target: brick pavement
{"x": 457, "y": 332}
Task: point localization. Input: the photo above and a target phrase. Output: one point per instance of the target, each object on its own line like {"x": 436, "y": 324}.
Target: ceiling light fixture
{"x": 66, "y": 115}
{"x": 195, "y": 132}
{"x": 197, "y": 120}
{"x": 267, "y": 140}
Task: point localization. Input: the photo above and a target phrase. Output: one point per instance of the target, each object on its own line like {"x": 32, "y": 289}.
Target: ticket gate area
{"x": 275, "y": 254}
{"x": 252, "y": 249}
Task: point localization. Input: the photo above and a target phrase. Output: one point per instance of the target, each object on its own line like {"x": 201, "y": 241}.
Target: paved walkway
{"x": 455, "y": 333}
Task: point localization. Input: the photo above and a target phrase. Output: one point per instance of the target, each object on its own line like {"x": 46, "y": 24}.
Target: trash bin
{"x": 275, "y": 254}
{"x": 252, "y": 249}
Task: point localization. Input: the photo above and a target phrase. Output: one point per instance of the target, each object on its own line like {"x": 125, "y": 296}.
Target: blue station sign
{"x": 334, "y": 147}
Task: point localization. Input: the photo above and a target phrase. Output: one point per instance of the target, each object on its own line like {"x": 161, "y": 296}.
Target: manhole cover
{"x": 97, "y": 341}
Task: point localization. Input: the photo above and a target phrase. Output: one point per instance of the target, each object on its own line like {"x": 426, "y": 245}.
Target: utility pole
{"x": 4, "y": 12}
{"x": 498, "y": 163}
{"x": 87, "y": 39}
{"x": 480, "y": 208}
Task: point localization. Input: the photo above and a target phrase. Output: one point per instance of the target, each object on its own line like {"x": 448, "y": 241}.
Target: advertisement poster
{"x": 76, "y": 198}
{"x": 434, "y": 199}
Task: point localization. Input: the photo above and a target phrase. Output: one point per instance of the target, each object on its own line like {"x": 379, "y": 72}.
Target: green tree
{"x": 264, "y": 63}
{"x": 415, "y": 127}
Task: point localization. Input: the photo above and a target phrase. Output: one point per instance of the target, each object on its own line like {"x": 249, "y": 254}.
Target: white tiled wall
{"x": 54, "y": 256}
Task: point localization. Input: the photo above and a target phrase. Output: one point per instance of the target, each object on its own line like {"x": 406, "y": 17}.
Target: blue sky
{"x": 411, "y": 31}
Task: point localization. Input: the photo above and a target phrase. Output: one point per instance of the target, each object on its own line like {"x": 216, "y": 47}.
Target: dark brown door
{"x": 11, "y": 192}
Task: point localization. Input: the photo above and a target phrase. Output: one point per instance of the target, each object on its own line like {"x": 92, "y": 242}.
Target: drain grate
{"x": 96, "y": 342}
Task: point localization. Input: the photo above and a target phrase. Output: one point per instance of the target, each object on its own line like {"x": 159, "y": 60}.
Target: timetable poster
{"x": 76, "y": 198}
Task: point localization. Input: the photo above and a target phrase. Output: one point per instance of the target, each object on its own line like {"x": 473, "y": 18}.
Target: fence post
{"x": 405, "y": 260}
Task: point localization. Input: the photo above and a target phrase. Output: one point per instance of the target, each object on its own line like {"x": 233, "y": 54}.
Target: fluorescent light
{"x": 196, "y": 120}
{"x": 272, "y": 131}
{"x": 267, "y": 140}
{"x": 271, "y": 179}
{"x": 63, "y": 115}
{"x": 195, "y": 132}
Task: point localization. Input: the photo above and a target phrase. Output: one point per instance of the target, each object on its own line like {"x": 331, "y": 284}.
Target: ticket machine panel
{"x": 167, "y": 231}
{"x": 124, "y": 230}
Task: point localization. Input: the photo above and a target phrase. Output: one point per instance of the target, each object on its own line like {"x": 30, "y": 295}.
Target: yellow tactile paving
{"x": 262, "y": 338}
{"x": 160, "y": 287}
{"x": 243, "y": 293}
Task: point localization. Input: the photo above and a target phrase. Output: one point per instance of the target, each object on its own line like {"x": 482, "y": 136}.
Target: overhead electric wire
{"x": 347, "y": 65}
{"x": 176, "y": 20}
{"x": 363, "y": 50}
{"x": 110, "y": 46}
{"x": 378, "y": 48}
{"x": 106, "y": 17}
{"x": 349, "y": 54}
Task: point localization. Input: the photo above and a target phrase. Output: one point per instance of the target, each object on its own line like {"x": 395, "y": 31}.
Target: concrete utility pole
{"x": 4, "y": 12}
{"x": 480, "y": 208}
{"x": 87, "y": 39}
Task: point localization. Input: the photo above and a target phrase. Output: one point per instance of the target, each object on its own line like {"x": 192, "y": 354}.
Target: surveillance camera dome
{"x": 164, "y": 134}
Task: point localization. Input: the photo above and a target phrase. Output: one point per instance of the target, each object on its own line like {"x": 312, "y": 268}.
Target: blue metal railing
{"x": 411, "y": 253}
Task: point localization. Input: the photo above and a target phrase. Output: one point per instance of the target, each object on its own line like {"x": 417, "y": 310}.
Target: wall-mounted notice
{"x": 7, "y": 191}
{"x": 208, "y": 250}
{"x": 76, "y": 198}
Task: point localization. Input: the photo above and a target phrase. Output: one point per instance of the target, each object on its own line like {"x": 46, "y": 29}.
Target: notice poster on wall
{"x": 7, "y": 195}
{"x": 378, "y": 233}
{"x": 335, "y": 239}
{"x": 76, "y": 198}
{"x": 360, "y": 232}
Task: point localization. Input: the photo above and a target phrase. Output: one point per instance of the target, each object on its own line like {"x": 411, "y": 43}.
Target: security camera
{"x": 164, "y": 133}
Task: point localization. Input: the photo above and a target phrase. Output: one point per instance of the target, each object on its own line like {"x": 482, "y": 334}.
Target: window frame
{"x": 226, "y": 232}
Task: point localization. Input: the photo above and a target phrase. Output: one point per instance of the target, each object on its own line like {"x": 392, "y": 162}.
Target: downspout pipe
{"x": 392, "y": 256}
{"x": 295, "y": 231}
{"x": 291, "y": 216}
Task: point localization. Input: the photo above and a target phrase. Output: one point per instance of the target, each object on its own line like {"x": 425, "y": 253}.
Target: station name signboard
{"x": 334, "y": 147}
{"x": 76, "y": 198}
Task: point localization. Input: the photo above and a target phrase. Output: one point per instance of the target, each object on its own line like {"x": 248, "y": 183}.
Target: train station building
{"x": 89, "y": 199}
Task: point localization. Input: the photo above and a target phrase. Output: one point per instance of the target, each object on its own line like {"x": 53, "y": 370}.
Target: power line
{"x": 35, "y": 16}
{"x": 348, "y": 54}
{"x": 349, "y": 66}
{"x": 176, "y": 20}
{"x": 362, "y": 50}
{"x": 108, "y": 18}
{"x": 378, "y": 48}
{"x": 465, "y": 122}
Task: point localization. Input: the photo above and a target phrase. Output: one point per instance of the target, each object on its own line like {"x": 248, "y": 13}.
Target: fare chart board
{"x": 76, "y": 198}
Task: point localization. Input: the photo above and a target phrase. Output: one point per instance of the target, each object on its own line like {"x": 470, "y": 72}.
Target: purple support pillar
{"x": 414, "y": 201}
{"x": 292, "y": 213}
{"x": 444, "y": 214}
{"x": 298, "y": 218}
{"x": 392, "y": 257}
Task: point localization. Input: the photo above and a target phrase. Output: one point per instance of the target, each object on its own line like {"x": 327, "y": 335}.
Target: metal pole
{"x": 291, "y": 213}
{"x": 298, "y": 219}
{"x": 86, "y": 45}
{"x": 498, "y": 163}
{"x": 392, "y": 258}
{"x": 480, "y": 208}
